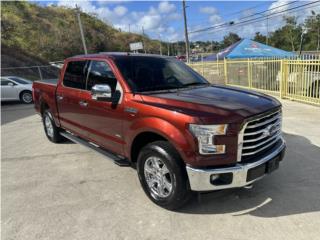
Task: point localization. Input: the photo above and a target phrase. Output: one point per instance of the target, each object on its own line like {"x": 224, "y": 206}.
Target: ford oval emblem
{"x": 269, "y": 131}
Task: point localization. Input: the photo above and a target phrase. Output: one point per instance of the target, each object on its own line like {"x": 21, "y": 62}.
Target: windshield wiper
{"x": 196, "y": 84}
{"x": 157, "y": 89}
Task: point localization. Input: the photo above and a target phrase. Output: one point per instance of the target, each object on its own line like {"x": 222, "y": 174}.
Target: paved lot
{"x": 12, "y": 111}
{"x": 67, "y": 192}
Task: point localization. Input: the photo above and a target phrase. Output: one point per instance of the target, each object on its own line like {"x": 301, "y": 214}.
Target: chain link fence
{"x": 34, "y": 73}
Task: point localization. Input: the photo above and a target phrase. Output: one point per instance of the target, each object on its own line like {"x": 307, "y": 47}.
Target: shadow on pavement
{"x": 293, "y": 189}
{"x": 15, "y": 110}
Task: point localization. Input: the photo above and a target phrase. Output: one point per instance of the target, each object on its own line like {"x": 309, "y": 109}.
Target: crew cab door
{"x": 103, "y": 120}
{"x": 68, "y": 96}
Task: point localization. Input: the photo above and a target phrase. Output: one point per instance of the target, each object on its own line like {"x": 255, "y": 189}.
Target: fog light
{"x": 214, "y": 177}
{"x": 221, "y": 179}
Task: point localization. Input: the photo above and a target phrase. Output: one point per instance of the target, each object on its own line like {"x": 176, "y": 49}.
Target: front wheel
{"x": 163, "y": 176}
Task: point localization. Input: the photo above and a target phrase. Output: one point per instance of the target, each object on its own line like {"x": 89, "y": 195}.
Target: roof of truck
{"x": 116, "y": 54}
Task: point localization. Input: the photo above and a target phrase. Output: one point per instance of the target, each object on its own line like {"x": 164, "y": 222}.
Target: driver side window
{"x": 101, "y": 73}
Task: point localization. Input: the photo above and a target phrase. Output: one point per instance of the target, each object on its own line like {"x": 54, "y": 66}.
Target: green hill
{"x": 51, "y": 33}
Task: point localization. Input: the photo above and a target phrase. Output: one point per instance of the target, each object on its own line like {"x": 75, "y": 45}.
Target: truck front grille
{"x": 260, "y": 134}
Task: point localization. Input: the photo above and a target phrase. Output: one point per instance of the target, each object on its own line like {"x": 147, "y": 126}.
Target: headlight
{"x": 205, "y": 135}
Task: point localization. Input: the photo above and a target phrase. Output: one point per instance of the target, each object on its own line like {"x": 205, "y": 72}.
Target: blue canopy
{"x": 246, "y": 48}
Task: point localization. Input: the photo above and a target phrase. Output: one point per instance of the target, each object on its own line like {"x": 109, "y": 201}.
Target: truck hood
{"x": 217, "y": 102}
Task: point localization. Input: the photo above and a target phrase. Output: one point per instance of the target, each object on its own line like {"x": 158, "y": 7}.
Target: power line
{"x": 243, "y": 24}
{"x": 233, "y": 24}
{"x": 227, "y": 23}
{"x": 261, "y": 13}
{"x": 233, "y": 13}
{"x": 277, "y": 14}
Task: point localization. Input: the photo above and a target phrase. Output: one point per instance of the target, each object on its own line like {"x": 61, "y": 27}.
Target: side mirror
{"x": 101, "y": 92}
{"x": 10, "y": 84}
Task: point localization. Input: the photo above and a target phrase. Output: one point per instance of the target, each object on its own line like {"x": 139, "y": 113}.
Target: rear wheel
{"x": 26, "y": 97}
{"x": 50, "y": 128}
{"x": 163, "y": 176}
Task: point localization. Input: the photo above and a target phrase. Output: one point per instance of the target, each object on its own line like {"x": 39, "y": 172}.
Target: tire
{"x": 50, "y": 128}
{"x": 26, "y": 97}
{"x": 159, "y": 164}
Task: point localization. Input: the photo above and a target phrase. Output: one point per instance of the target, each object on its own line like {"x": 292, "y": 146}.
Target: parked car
{"x": 181, "y": 58}
{"x": 155, "y": 113}
{"x": 16, "y": 88}
{"x": 304, "y": 82}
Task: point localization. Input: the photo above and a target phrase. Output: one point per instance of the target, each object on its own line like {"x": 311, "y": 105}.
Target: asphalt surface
{"x": 12, "y": 111}
{"x": 65, "y": 191}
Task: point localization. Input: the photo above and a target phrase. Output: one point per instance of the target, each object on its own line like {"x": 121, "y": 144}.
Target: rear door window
{"x": 101, "y": 73}
{"x": 75, "y": 74}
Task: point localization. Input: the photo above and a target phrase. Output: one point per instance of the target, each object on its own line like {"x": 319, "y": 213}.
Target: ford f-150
{"x": 155, "y": 113}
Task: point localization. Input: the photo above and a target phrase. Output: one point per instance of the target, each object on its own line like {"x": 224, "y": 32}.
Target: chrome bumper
{"x": 200, "y": 178}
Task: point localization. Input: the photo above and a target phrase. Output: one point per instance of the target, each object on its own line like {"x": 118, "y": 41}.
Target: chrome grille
{"x": 259, "y": 134}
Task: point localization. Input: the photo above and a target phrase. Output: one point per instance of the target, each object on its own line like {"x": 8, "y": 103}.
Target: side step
{"x": 122, "y": 162}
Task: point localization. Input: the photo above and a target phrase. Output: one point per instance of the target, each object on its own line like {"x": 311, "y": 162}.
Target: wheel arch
{"x": 151, "y": 133}
{"x": 141, "y": 140}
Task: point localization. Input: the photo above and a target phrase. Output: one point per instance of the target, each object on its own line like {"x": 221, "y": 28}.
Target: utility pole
{"x": 144, "y": 44}
{"x": 186, "y": 30}
{"x": 129, "y": 27}
{"x": 267, "y": 37}
{"x": 160, "y": 44}
{"x": 318, "y": 44}
{"x": 81, "y": 30}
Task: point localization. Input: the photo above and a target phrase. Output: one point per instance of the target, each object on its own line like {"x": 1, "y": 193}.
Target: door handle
{"x": 59, "y": 97}
{"x": 83, "y": 103}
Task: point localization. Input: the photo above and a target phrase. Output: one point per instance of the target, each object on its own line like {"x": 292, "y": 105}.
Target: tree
{"x": 230, "y": 39}
{"x": 288, "y": 36}
{"x": 260, "y": 38}
{"x": 312, "y": 38}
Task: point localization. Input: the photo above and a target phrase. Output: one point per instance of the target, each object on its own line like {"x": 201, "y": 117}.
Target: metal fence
{"x": 294, "y": 78}
{"x": 33, "y": 73}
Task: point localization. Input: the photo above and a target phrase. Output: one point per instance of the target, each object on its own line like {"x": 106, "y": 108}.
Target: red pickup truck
{"x": 155, "y": 113}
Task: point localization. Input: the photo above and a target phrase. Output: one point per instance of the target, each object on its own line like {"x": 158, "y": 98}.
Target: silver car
{"x": 16, "y": 88}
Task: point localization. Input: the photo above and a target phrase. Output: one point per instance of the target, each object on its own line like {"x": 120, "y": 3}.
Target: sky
{"x": 164, "y": 19}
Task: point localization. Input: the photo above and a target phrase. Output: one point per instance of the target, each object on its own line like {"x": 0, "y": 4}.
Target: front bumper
{"x": 236, "y": 176}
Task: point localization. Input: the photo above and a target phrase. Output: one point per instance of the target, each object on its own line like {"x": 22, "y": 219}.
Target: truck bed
{"x": 45, "y": 92}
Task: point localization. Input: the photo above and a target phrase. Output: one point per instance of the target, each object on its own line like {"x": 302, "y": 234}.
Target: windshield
{"x": 145, "y": 73}
{"x": 20, "y": 80}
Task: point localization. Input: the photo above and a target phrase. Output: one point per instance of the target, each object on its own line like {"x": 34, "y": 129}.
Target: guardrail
{"x": 294, "y": 78}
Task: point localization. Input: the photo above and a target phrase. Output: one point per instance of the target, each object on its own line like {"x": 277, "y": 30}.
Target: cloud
{"x": 215, "y": 19}
{"x": 120, "y": 10}
{"x": 150, "y": 22}
{"x": 280, "y": 5}
{"x": 155, "y": 20}
{"x": 174, "y": 16}
{"x": 166, "y": 7}
{"x": 208, "y": 10}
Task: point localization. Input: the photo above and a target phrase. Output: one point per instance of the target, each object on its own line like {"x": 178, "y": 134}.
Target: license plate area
{"x": 263, "y": 169}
